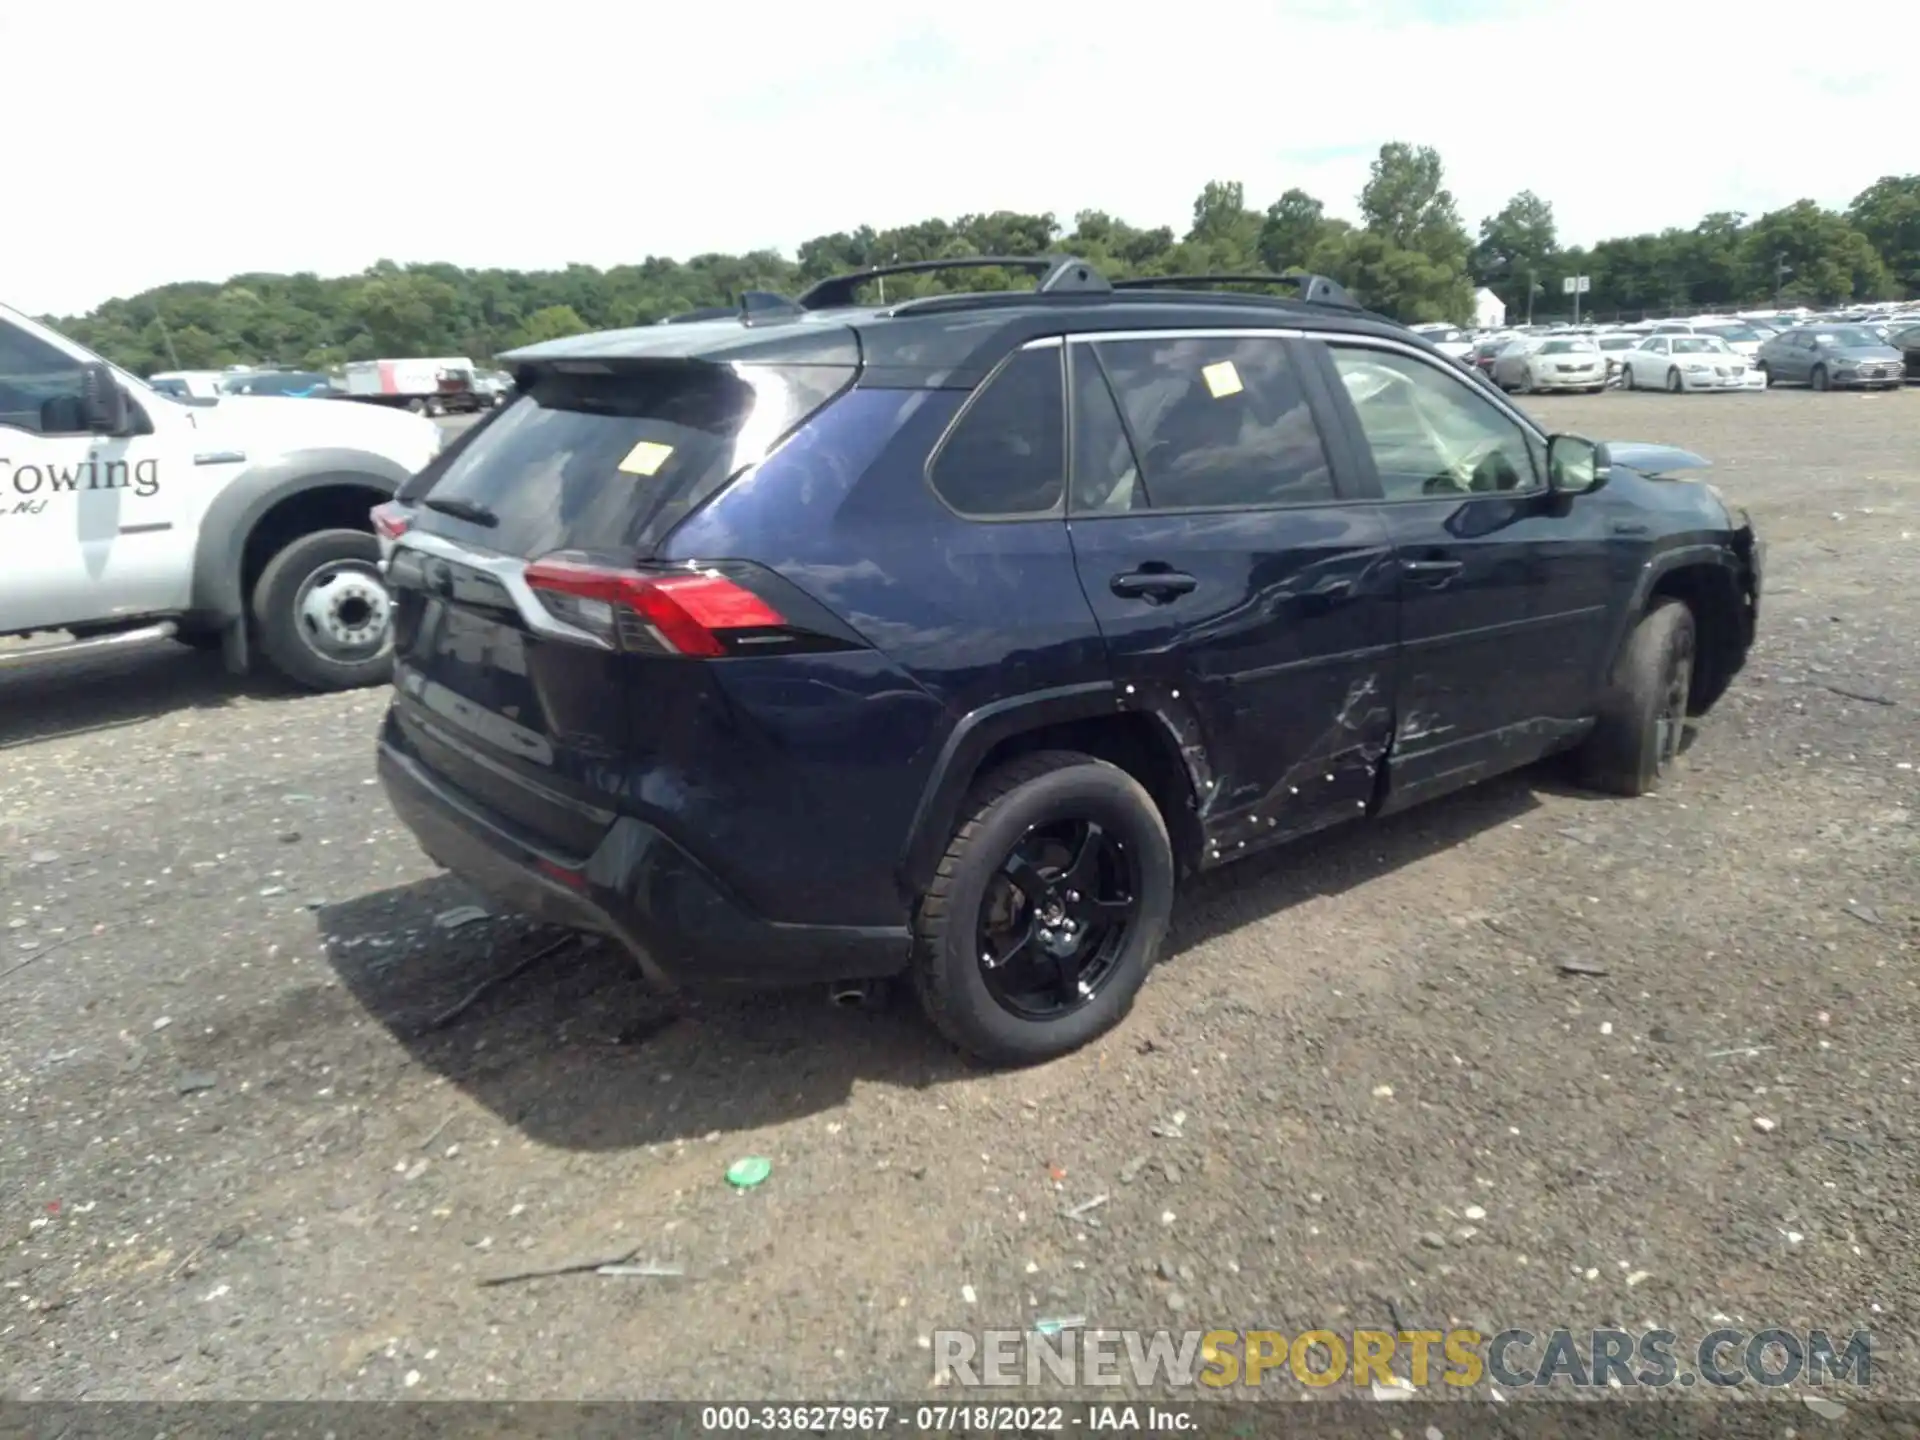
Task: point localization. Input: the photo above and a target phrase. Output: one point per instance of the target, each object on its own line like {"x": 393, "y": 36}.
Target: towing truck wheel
{"x": 323, "y": 614}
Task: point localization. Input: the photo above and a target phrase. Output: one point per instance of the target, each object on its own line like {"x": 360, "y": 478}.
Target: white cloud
{"x": 196, "y": 141}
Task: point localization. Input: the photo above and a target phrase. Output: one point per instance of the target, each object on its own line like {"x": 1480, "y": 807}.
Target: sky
{"x": 197, "y": 141}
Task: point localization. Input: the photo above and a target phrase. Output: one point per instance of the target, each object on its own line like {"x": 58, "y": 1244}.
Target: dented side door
{"x": 1270, "y": 649}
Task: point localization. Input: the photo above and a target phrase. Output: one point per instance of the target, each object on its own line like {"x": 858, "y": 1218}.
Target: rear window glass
{"x": 614, "y": 460}
{"x": 1007, "y": 455}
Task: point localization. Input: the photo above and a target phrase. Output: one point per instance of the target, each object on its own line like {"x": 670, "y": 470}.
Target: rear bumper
{"x": 639, "y": 887}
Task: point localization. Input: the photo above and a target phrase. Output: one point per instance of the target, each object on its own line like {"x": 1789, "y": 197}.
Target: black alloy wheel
{"x": 1670, "y": 719}
{"x": 1055, "y": 918}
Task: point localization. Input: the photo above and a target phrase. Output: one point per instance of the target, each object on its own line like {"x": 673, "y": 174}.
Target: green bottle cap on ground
{"x": 749, "y": 1172}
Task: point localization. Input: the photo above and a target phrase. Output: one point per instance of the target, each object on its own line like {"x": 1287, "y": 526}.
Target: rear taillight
{"x": 391, "y": 520}
{"x": 681, "y": 614}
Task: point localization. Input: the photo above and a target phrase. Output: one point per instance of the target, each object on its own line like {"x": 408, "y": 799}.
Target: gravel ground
{"x": 237, "y": 1160}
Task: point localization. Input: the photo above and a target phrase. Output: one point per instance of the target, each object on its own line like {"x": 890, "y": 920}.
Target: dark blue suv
{"x": 824, "y": 641}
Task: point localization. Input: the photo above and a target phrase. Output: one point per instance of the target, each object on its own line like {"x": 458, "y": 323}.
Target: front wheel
{"x": 1047, "y": 910}
{"x": 1643, "y": 714}
{"x": 323, "y": 613}
{"x": 1674, "y": 383}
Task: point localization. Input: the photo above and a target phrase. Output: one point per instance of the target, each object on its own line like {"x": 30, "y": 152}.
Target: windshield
{"x": 1699, "y": 345}
{"x": 1567, "y": 347}
{"x": 1850, "y": 336}
{"x": 1732, "y": 332}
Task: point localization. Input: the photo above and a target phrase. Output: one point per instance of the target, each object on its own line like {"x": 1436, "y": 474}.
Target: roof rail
{"x": 753, "y": 306}
{"x": 706, "y": 312}
{"x": 1314, "y": 289}
{"x": 1058, "y": 274}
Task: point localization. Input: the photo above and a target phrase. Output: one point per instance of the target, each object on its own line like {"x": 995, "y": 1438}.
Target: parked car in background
{"x": 1563, "y": 362}
{"x": 1687, "y": 362}
{"x": 1741, "y": 338}
{"x": 1611, "y": 344}
{"x": 1449, "y": 340}
{"x": 293, "y": 384}
{"x": 1907, "y": 342}
{"x": 199, "y": 384}
{"x": 495, "y": 387}
{"x": 1485, "y": 351}
{"x": 1829, "y": 357}
{"x": 673, "y": 665}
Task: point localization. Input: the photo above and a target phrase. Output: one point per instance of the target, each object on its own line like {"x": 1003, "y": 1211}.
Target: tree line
{"x": 1409, "y": 256}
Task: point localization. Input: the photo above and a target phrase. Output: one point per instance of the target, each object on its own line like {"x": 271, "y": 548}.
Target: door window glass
{"x": 1431, "y": 434}
{"x": 1106, "y": 475}
{"x": 40, "y": 386}
{"x": 1218, "y": 422}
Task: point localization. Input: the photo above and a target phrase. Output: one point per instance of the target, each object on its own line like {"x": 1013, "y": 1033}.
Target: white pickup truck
{"x": 239, "y": 523}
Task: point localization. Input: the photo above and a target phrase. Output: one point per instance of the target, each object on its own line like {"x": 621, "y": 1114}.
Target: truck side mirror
{"x": 102, "y": 401}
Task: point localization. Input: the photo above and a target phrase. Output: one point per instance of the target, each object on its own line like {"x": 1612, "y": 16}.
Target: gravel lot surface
{"x": 237, "y": 1161}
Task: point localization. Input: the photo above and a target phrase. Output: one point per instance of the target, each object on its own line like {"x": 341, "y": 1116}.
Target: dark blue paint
{"x": 767, "y": 816}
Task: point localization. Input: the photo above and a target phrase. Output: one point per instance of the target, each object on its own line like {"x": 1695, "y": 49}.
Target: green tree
{"x": 1406, "y": 201}
{"x": 1294, "y": 224}
{"x": 1887, "y": 212}
{"x": 1517, "y": 251}
{"x": 555, "y": 322}
{"x": 401, "y": 314}
{"x": 1409, "y": 257}
{"x": 1815, "y": 255}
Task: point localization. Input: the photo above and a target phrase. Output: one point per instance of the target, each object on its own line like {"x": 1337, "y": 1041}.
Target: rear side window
{"x": 1006, "y": 456}
{"x": 615, "y": 459}
{"x": 1217, "y": 422}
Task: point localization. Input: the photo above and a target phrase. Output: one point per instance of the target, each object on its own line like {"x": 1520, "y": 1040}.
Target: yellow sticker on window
{"x": 1222, "y": 379}
{"x": 646, "y": 458}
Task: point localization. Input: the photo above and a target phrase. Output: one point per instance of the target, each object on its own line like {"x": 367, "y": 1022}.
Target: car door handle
{"x": 1430, "y": 572}
{"x": 1152, "y": 584}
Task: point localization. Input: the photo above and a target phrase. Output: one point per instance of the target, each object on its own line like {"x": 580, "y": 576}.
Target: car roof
{"x": 953, "y": 340}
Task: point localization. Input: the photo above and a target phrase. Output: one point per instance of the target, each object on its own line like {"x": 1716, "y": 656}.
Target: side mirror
{"x": 1576, "y": 465}
{"x": 103, "y": 403}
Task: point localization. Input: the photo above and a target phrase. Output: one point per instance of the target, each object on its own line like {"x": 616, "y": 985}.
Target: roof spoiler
{"x": 1314, "y": 289}
{"x": 1058, "y": 274}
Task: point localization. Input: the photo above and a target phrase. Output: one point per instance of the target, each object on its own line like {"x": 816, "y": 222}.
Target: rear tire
{"x": 1820, "y": 380}
{"x": 1626, "y": 378}
{"x": 1643, "y": 714}
{"x": 322, "y": 612}
{"x": 1766, "y": 375}
{"x": 1007, "y": 813}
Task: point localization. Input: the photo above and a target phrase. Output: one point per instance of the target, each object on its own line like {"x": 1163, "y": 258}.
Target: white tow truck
{"x": 236, "y": 523}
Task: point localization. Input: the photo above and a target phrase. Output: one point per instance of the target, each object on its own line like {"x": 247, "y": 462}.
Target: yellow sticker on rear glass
{"x": 1222, "y": 379}
{"x": 646, "y": 458}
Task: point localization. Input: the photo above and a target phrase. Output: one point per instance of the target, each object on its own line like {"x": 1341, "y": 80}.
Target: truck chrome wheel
{"x": 344, "y": 611}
